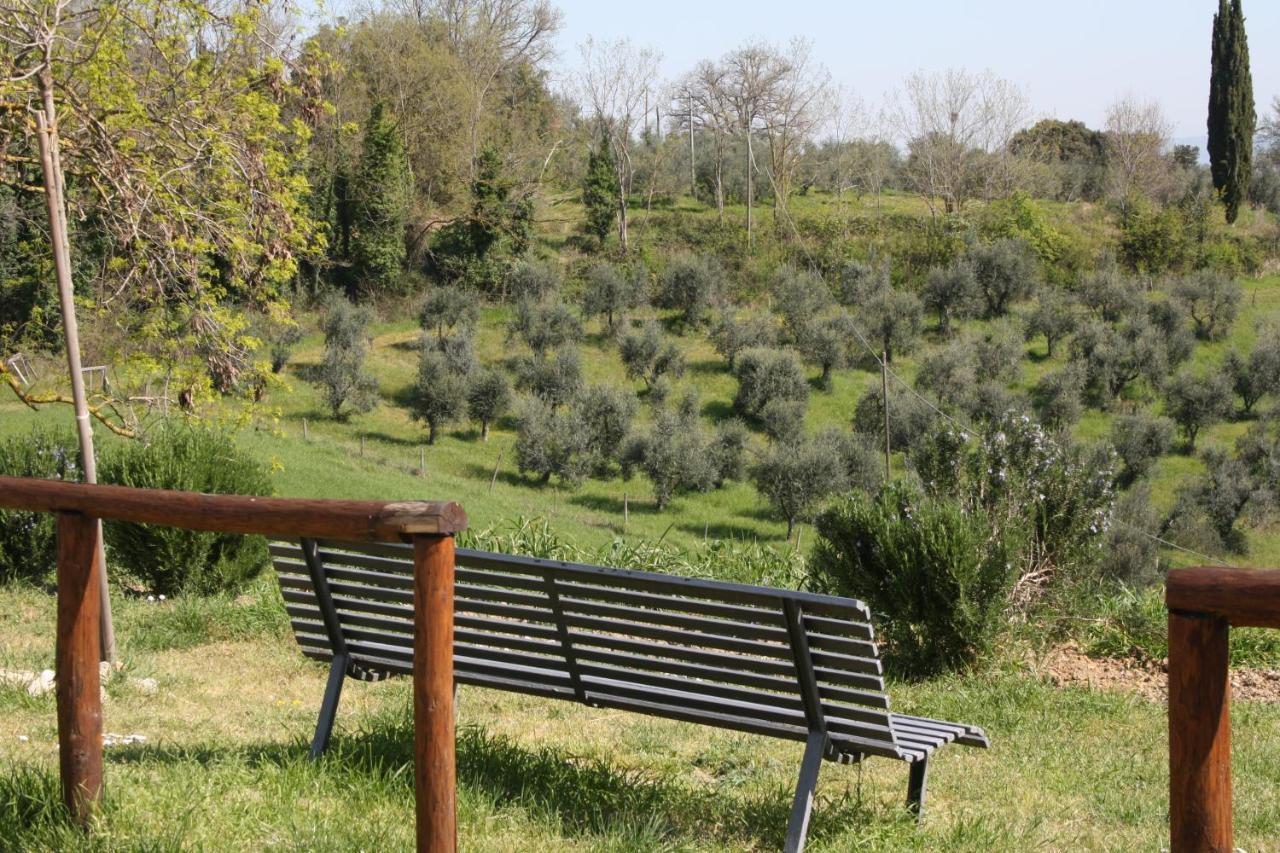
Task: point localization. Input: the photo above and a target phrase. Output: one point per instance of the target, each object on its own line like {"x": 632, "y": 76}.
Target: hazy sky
{"x": 1072, "y": 57}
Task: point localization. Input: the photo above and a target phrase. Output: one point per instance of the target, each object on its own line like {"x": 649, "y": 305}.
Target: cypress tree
{"x": 600, "y": 191}
{"x": 382, "y": 196}
{"x": 1231, "y": 113}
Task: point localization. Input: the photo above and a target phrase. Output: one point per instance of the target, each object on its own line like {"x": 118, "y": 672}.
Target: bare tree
{"x": 752, "y": 75}
{"x": 702, "y": 103}
{"x": 799, "y": 102}
{"x": 1135, "y": 140}
{"x": 614, "y": 79}
{"x": 957, "y": 126}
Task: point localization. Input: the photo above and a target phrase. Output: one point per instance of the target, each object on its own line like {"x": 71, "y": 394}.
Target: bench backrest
{"x": 755, "y": 659}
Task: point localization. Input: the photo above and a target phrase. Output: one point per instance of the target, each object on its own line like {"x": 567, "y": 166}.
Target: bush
{"x": 936, "y": 577}
{"x": 1131, "y": 555}
{"x": 692, "y": 284}
{"x": 169, "y": 560}
{"x": 766, "y": 375}
{"x": 1140, "y": 440}
{"x": 28, "y": 540}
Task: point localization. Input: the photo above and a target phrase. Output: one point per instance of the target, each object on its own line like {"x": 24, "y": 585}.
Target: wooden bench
{"x": 773, "y": 662}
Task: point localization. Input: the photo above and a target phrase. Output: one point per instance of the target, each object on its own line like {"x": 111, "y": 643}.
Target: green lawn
{"x": 223, "y": 766}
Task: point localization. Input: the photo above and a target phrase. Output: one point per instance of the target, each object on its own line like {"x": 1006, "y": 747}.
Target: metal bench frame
{"x": 636, "y": 641}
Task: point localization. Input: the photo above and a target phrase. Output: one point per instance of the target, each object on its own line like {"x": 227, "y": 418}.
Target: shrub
{"x": 1195, "y": 402}
{"x": 28, "y": 540}
{"x": 488, "y": 398}
{"x": 1131, "y": 555}
{"x": 169, "y": 560}
{"x": 1211, "y": 300}
{"x": 439, "y": 394}
{"x": 766, "y": 375}
{"x": 692, "y": 284}
{"x": 348, "y": 386}
{"x": 1140, "y": 440}
{"x": 936, "y": 576}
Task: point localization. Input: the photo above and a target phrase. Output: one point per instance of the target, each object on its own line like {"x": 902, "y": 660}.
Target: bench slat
{"x": 721, "y": 660}
{"x": 669, "y": 635}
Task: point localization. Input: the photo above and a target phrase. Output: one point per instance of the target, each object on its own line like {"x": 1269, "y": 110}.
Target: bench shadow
{"x": 582, "y": 796}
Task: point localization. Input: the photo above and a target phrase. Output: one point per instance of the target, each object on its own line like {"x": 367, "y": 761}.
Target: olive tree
{"x": 544, "y": 325}
{"x": 765, "y": 375}
{"x": 798, "y": 297}
{"x": 549, "y": 442}
{"x": 1056, "y": 398}
{"x": 731, "y": 335}
{"x": 488, "y": 398}
{"x": 348, "y": 386}
{"x": 1054, "y": 317}
{"x": 554, "y": 379}
{"x": 1007, "y": 271}
{"x": 533, "y": 280}
{"x": 951, "y": 293}
{"x": 439, "y": 394}
{"x": 1210, "y": 299}
{"x": 692, "y": 284}
{"x": 1258, "y": 374}
{"x": 891, "y": 319}
{"x": 611, "y": 292}
{"x": 604, "y": 415}
{"x": 1140, "y": 440}
{"x": 1196, "y": 401}
{"x": 829, "y": 342}
{"x": 796, "y": 477}
{"x": 448, "y": 307}
{"x": 673, "y": 454}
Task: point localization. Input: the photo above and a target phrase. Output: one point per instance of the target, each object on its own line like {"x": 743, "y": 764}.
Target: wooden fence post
{"x": 433, "y": 721}
{"x": 77, "y": 654}
{"x": 1199, "y": 734}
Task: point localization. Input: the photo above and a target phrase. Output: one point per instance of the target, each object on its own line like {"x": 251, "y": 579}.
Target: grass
{"x": 224, "y": 764}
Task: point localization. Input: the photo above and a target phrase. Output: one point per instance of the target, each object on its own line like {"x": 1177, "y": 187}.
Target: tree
{"x": 1258, "y": 374}
{"x": 1219, "y": 496}
{"x": 765, "y": 375}
{"x": 346, "y": 343}
{"x": 488, "y": 398}
{"x": 950, "y": 373}
{"x": 732, "y": 335}
{"x": 910, "y": 418}
{"x": 439, "y": 394}
{"x": 604, "y": 415}
{"x": 674, "y": 454}
{"x": 554, "y": 379}
{"x": 798, "y": 105}
{"x": 446, "y": 308}
{"x": 601, "y": 195}
{"x": 796, "y": 477}
{"x": 957, "y": 126}
{"x": 1140, "y": 440}
{"x": 533, "y": 281}
{"x": 544, "y": 325}
{"x": 1136, "y": 137}
{"x": 615, "y": 80}
{"x": 1007, "y": 271}
{"x": 692, "y": 284}
{"x": 799, "y": 296}
{"x": 892, "y": 319}
{"x": 549, "y": 442}
{"x": 611, "y": 292}
{"x": 1210, "y": 299}
{"x": 998, "y": 350}
{"x": 951, "y": 292}
{"x": 649, "y": 355}
{"x": 750, "y": 78}
{"x": 1056, "y": 398}
{"x": 829, "y": 342}
{"x": 1113, "y": 356}
{"x": 1232, "y": 118}
{"x": 382, "y": 196}
{"x": 1194, "y": 402}
{"x": 1054, "y": 317}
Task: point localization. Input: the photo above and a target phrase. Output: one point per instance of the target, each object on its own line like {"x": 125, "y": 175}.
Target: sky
{"x": 1072, "y": 57}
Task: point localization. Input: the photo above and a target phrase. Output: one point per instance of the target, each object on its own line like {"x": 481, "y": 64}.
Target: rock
{"x": 42, "y": 683}
{"x": 147, "y": 686}
{"x": 16, "y": 677}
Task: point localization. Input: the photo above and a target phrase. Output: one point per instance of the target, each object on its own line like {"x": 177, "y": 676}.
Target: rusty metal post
{"x": 433, "y": 720}
{"x": 77, "y": 654}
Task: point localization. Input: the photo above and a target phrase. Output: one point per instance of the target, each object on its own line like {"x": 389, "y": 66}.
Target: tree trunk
{"x": 750, "y": 188}
{"x": 55, "y": 202}
{"x": 484, "y": 430}
{"x": 432, "y": 429}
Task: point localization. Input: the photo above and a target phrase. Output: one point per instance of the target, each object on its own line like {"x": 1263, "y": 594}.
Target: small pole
{"x": 704, "y": 530}
{"x": 362, "y": 447}
{"x": 435, "y": 770}
{"x": 306, "y": 435}
{"x": 799, "y": 533}
{"x": 422, "y": 462}
{"x": 76, "y": 657}
{"x": 626, "y": 512}
{"x": 884, "y": 392}
{"x": 496, "y": 466}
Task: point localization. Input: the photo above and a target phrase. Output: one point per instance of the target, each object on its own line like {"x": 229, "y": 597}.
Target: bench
{"x": 774, "y": 662}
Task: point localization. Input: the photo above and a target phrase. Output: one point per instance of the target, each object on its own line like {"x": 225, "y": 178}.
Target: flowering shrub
{"x": 28, "y": 548}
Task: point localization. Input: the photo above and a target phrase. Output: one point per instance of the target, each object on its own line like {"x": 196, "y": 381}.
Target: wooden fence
{"x": 1203, "y": 605}
{"x": 430, "y": 526}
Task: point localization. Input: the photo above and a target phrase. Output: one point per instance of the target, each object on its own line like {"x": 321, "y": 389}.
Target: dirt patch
{"x": 1068, "y": 665}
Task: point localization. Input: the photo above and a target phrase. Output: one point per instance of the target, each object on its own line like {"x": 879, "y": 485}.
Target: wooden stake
{"x": 884, "y": 391}
{"x": 306, "y": 434}
{"x": 626, "y": 512}
{"x": 433, "y": 722}
{"x": 362, "y": 447}
{"x": 422, "y": 462}
{"x": 494, "y": 479}
{"x": 1199, "y": 734}
{"x": 76, "y": 657}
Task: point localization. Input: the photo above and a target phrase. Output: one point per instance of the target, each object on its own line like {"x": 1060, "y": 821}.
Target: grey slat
{"x": 724, "y": 660}
{"x": 668, "y": 635}
{"x": 858, "y": 627}
{"x": 691, "y": 670}
{"x": 675, "y": 682}
{"x": 683, "y": 621}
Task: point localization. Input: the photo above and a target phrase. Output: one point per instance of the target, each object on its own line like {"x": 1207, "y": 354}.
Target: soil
{"x": 1069, "y": 665}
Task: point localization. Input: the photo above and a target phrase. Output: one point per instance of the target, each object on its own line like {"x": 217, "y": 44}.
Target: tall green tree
{"x": 600, "y": 191}
{"x": 1232, "y": 118}
{"x": 383, "y": 195}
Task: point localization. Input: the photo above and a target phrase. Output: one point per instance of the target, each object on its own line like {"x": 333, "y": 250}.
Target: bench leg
{"x": 329, "y": 707}
{"x": 798, "y": 825}
{"x": 916, "y": 782}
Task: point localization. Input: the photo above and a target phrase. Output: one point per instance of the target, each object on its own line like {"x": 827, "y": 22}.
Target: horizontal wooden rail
{"x": 294, "y": 517}
{"x": 1203, "y": 604}
{"x": 430, "y": 526}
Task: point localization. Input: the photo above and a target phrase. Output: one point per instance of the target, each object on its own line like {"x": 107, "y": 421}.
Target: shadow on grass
{"x": 610, "y": 504}
{"x": 507, "y": 478}
{"x": 720, "y": 530}
{"x": 581, "y": 796}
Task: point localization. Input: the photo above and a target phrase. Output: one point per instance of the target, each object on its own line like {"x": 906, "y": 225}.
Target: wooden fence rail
{"x": 430, "y": 526}
{"x": 1203, "y": 604}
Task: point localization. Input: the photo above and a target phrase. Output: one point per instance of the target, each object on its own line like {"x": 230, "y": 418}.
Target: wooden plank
{"x": 1244, "y": 597}
{"x": 77, "y": 652}
{"x": 1199, "y": 734}
{"x": 292, "y": 517}
{"x": 434, "y": 765}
